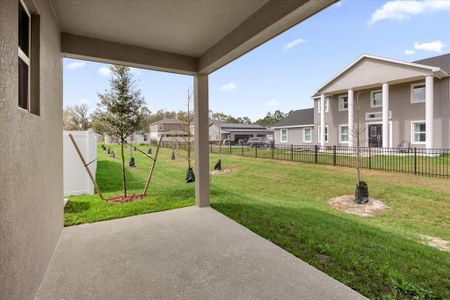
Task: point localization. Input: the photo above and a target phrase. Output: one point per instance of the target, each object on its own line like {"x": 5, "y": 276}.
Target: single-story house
{"x": 218, "y": 132}
{"x": 296, "y": 129}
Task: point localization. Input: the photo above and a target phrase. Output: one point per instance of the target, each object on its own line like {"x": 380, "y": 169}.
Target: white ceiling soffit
{"x": 206, "y": 30}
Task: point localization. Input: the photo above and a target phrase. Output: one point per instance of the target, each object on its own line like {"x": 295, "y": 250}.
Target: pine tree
{"x": 121, "y": 109}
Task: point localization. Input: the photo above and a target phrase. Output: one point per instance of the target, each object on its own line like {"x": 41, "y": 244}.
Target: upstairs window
{"x": 376, "y": 99}
{"x": 418, "y": 93}
{"x": 326, "y": 105}
{"x": 24, "y": 52}
{"x": 343, "y": 103}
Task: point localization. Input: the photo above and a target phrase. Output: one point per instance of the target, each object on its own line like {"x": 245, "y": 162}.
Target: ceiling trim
{"x": 82, "y": 47}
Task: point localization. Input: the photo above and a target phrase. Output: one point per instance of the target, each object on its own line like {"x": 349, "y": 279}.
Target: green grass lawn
{"x": 286, "y": 203}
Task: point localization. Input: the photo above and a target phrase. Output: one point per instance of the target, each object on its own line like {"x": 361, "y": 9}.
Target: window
{"x": 418, "y": 132}
{"x": 343, "y": 103}
{"x": 418, "y": 93}
{"x": 307, "y": 135}
{"x": 376, "y": 98}
{"x": 326, "y": 104}
{"x": 284, "y": 135}
{"x": 343, "y": 134}
{"x": 28, "y": 59}
{"x": 24, "y": 56}
{"x": 378, "y": 115}
{"x": 319, "y": 133}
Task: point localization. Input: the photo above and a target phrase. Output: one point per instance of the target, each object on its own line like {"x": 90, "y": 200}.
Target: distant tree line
{"x": 77, "y": 117}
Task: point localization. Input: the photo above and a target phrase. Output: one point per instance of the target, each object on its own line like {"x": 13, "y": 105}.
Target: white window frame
{"x": 413, "y": 142}
{"x": 26, "y": 59}
{"x": 326, "y": 134}
{"x": 310, "y": 135}
{"x": 413, "y": 86}
{"x": 327, "y": 104}
{"x": 341, "y": 103}
{"x": 372, "y": 93}
{"x": 340, "y": 134}
{"x": 281, "y": 135}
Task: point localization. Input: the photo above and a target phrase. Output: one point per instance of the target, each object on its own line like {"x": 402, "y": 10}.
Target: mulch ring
{"x": 218, "y": 172}
{"x": 347, "y": 204}
{"x": 129, "y": 198}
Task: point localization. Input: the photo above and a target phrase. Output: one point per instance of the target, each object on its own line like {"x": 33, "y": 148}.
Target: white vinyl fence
{"x": 76, "y": 179}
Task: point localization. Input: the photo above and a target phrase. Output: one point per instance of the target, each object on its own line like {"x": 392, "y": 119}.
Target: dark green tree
{"x": 121, "y": 110}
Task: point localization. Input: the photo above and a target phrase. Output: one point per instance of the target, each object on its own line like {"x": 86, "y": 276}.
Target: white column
{"x": 322, "y": 120}
{"x": 385, "y": 114}
{"x": 429, "y": 110}
{"x": 350, "y": 118}
{"x": 201, "y": 140}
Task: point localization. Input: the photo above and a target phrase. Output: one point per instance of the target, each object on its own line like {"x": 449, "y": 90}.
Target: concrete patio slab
{"x": 188, "y": 253}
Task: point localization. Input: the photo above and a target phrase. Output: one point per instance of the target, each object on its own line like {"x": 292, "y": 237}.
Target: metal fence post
{"x": 316, "y": 150}
{"x": 292, "y": 152}
{"x": 334, "y": 155}
{"x": 370, "y": 159}
{"x": 242, "y": 149}
{"x": 273, "y": 146}
{"x": 256, "y": 151}
{"x": 229, "y": 143}
{"x": 415, "y": 160}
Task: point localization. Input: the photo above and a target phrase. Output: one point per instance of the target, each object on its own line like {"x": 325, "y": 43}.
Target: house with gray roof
{"x": 400, "y": 103}
{"x": 297, "y": 128}
{"x": 235, "y": 133}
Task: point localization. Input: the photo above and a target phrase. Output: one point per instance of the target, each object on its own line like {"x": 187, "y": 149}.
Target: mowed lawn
{"x": 381, "y": 257}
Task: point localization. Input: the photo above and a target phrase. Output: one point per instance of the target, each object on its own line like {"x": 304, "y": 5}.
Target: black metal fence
{"x": 417, "y": 161}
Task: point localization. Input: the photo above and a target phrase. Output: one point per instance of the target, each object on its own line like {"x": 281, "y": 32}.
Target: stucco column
{"x": 322, "y": 120}
{"x": 201, "y": 140}
{"x": 350, "y": 117}
{"x": 429, "y": 110}
{"x": 385, "y": 114}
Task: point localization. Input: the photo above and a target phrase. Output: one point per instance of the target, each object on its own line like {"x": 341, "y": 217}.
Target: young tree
{"x": 183, "y": 144}
{"x": 121, "y": 110}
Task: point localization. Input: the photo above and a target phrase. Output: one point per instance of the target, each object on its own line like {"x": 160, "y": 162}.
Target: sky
{"x": 284, "y": 73}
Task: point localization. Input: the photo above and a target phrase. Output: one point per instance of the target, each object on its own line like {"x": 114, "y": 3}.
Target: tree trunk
{"x": 124, "y": 180}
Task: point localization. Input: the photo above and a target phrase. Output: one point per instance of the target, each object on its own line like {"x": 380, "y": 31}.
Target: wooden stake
{"x": 153, "y": 167}
{"x": 97, "y": 189}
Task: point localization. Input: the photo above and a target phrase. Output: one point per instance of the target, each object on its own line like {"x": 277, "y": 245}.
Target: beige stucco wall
{"x": 31, "y": 172}
{"x": 403, "y": 113}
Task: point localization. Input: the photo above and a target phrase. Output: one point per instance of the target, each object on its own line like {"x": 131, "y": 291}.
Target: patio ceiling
{"x": 184, "y": 36}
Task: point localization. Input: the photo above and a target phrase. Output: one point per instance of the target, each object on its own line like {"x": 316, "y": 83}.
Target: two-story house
{"x": 395, "y": 102}
{"x": 170, "y": 129}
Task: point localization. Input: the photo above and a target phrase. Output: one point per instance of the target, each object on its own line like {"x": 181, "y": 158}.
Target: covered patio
{"x": 187, "y": 253}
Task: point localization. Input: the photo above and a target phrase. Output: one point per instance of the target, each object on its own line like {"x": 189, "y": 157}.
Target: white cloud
{"x": 104, "y": 71}
{"x": 292, "y": 44}
{"x": 338, "y": 4}
{"x": 403, "y": 10}
{"x": 435, "y": 46}
{"x": 272, "y": 103}
{"x": 76, "y": 65}
{"x": 228, "y": 87}
{"x": 409, "y": 52}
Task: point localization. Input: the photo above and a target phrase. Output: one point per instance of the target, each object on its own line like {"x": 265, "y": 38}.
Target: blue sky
{"x": 284, "y": 72}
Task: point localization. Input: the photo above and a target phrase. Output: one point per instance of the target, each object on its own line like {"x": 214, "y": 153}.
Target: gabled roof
{"x": 436, "y": 70}
{"x": 238, "y": 126}
{"x": 299, "y": 117}
{"x": 440, "y": 61}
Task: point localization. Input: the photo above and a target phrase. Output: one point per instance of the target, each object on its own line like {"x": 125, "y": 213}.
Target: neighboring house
{"x": 236, "y": 132}
{"x": 401, "y": 103}
{"x": 297, "y": 128}
{"x": 170, "y": 129}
